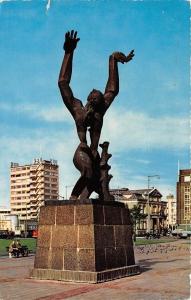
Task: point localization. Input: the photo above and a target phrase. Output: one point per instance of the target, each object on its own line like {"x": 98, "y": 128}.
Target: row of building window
{"x": 19, "y": 198}
{"x": 33, "y": 174}
{"x": 20, "y": 175}
{"x": 20, "y": 192}
{"x": 20, "y": 186}
{"x": 187, "y": 189}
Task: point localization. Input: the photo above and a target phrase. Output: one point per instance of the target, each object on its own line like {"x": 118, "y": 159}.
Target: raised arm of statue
{"x": 112, "y": 87}
{"x": 70, "y": 44}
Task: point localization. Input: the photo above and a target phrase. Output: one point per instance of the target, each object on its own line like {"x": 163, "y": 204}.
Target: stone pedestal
{"x": 84, "y": 241}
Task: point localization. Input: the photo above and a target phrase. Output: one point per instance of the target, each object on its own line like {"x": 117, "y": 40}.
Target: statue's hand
{"x": 130, "y": 55}
{"x": 71, "y": 41}
{"x": 120, "y": 57}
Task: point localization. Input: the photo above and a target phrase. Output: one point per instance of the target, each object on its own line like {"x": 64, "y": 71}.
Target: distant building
{"x": 149, "y": 200}
{"x": 184, "y": 198}
{"x": 30, "y": 185}
{"x": 171, "y": 211}
{"x": 5, "y": 223}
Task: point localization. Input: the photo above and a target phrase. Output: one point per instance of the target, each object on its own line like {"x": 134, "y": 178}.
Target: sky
{"x": 147, "y": 125}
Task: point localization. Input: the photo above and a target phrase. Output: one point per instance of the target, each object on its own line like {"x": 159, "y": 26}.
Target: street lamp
{"x": 26, "y": 222}
{"x": 148, "y": 204}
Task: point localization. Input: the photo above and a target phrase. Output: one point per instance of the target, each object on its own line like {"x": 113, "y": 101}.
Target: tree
{"x": 136, "y": 216}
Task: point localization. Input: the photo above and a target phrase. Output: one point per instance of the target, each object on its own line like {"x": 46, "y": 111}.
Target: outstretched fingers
{"x": 130, "y": 55}
{"x": 75, "y": 34}
{"x": 72, "y": 35}
{"x": 67, "y": 34}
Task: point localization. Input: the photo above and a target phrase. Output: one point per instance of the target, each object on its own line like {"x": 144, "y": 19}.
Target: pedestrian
{"x": 12, "y": 248}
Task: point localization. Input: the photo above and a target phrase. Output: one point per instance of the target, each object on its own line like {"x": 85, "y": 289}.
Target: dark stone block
{"x": 110, "y": 256}
{"x": 64, "y": 236}
{"x": 104, "y": 236}
{"x": 84, "y": 214}
{"x": 56, "y": 261}
{"x": 86, "y": 276}
{"x": 86, "y": 236}
{"x": 120, "y": 255}
{"x": 115, "y": 257}
{"x": 100, "y": 262}
{"x": 70, "y": 259}
{"x": 129, "y": 233}
{"x": 112, "y": 215}
{"x": 98, "y": 214}
{"x": 123, "y": 235}
{"x": 42, "y": 258}
{"x": 130, "y": 258}
{"x": 65, "y": 215}
{"x": 86, "y": 260}
{"x": 44, "y": 233}
{"x": 126, "y": 220}
{"x": 47, "y": 215}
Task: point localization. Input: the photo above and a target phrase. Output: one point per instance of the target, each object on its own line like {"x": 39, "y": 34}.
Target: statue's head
{"x": 95, "y": 98}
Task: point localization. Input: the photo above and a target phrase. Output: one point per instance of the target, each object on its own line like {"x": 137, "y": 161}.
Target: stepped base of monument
{"x": 85, "y": 276}
{"x": 84, "y": 241}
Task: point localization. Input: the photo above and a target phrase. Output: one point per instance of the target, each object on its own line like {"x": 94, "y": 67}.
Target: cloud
{"x": 48, "y": 114}
{"x": 48, "y": 5}
{"x": 1, "y": 1}
{"x": 24, "y": 149}
{"x": 143, "y": 161}
{"x": 135, "y": 130}
{"x": 126, "y": 130}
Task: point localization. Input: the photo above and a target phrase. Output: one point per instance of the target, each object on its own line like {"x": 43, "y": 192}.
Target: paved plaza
{"x": 165, "y": 270}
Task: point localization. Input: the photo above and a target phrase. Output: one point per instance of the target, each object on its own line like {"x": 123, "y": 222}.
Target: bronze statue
{"x": 94, "y": 169}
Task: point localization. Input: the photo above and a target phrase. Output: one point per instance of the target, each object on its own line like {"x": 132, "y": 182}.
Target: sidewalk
{"x": 165, "y": 276}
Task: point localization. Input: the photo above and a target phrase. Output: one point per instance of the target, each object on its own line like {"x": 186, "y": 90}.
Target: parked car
{"x": 4, "y": 234}
{"x": 176, "y": 231}
{"x": 152, "y": 235}
{"x": 184, "y": 234}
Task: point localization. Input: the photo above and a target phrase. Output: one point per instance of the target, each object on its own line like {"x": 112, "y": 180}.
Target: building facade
{"x": 151, "y": 205}
{"x": 5, "y": 222}
{"x": 30, "y": 186}
{"x": 171, "y": 211}
{"x": 184, "y": 198}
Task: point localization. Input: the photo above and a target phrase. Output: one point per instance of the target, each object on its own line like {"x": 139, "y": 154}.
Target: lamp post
{"x": 148, "y": 204}
{"x": 26, "y": 222}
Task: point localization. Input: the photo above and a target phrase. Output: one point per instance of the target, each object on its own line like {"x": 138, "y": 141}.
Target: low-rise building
{"x": 151, "y": 205}
{"x": 5, "y": 223}
{"x": 171, "y": 211}
{"x": 8, "y": 221}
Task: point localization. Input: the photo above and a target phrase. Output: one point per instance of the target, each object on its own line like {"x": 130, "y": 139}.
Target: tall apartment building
{"x": 184, "y": 198}
{"x": 171, "y": 211}
{"x": 30, "y": 185}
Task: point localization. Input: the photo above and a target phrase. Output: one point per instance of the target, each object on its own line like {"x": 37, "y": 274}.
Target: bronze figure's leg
{"x": 83, "y": 162}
